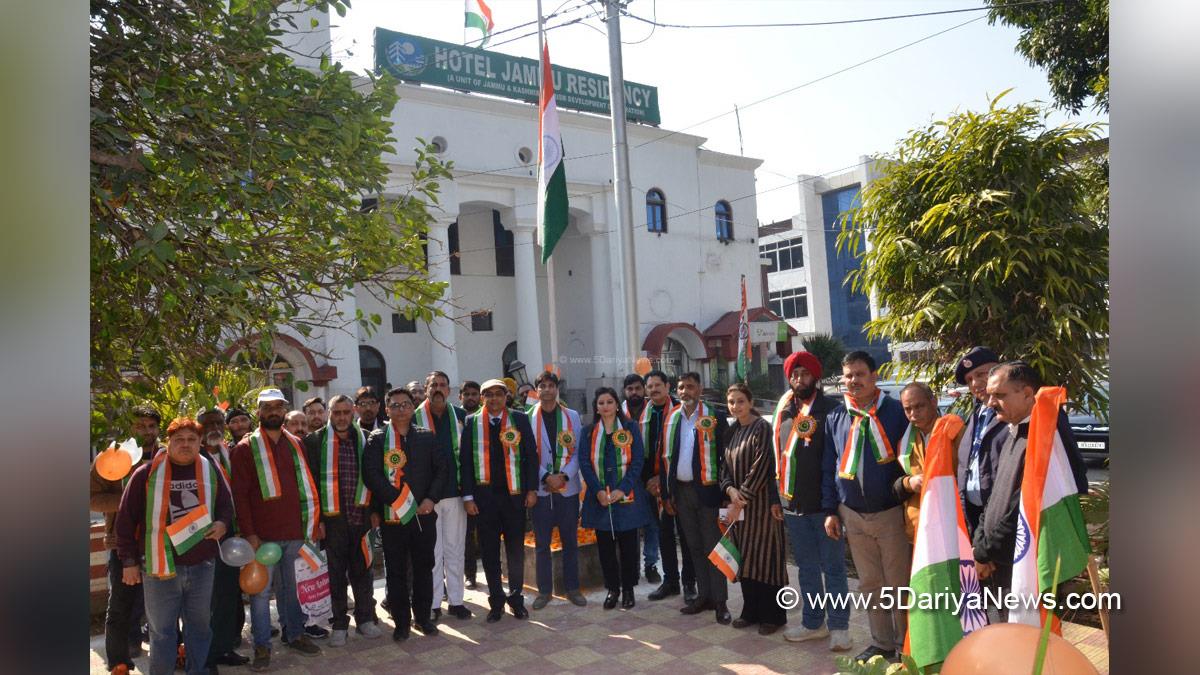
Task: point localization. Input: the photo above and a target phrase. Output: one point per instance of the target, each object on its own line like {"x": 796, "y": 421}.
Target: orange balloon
{"x": 253, "y": 578}
{"x": 112, "y": 464}
{"x": 642, "y": 366}
{"x": 1004, "y": 648}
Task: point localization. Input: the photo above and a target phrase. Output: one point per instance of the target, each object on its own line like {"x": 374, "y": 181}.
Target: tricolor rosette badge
{"x": 622, "y": 439}
{"x": 566, "y": 439}
{"x": 396, "y": 459}
{"x": 706, "y": 424}
{"x": 805, "y": 427}
{"x": 510, "y": 438}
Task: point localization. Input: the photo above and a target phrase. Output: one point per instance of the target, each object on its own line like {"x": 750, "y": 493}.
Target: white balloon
{"x": 236, "y": 552}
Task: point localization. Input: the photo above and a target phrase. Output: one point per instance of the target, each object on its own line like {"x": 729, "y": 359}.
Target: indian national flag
{"x": 1050, "y": 522}
{"x": 405, "y": 507}
{"x": 943, "y": 562}
{"x": 479, "y": 16}
{"x": 726, "y": 556}
{"x": 312, "y": 555}
{"x": 744, "y": 348}
{"x": 552, "y": 176}
{"x": 190, "y": 529}
{"x": 368, "y": 544}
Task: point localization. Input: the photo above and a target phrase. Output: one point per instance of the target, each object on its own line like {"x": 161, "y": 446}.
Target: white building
{"x": 483, "y": 244}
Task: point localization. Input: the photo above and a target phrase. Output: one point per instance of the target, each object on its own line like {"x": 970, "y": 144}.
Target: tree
{"x": 1069, "y": 40}
{"x": 226, "y": 192}
{"x": 991, "y": 228}
{"x": 828, "y": 350}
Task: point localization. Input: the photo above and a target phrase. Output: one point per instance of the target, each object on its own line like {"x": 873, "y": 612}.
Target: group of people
{"x": 658, "y": 471}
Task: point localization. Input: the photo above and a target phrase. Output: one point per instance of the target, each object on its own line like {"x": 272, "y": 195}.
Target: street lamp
{"x": 516, "y": 370}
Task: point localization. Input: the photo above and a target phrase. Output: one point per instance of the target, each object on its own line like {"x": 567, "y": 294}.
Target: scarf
{"x": 424, "y": 418}
{"x": 330, "y": 495}
{"x": 908, "y": 443}
{"x": 706, "y": 447}
{"x": 268, "y": 478}
{"x": 481, "y": 451}
{"x": 394, "y": 460}
{"x": 624, "y": 454}
{"x": 865, "y": 430}
{"x": 160, "y": 558}
{"x": 803, "y": 428}
{"x": 565, "y": 444}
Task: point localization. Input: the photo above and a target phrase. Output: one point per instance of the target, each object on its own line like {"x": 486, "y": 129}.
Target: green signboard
{"x": 418, "y": 59}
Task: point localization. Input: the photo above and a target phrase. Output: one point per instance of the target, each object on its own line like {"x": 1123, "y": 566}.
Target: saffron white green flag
{"x": 744, "y": 347}
{"x": 479, "y": 16}
{"x": 552, "y": 176}
{"x": 404, "y": 508}
{"x": 1050, "y": 521}
{"x": 943, "y": 563}
{"x": 726, "y": 556}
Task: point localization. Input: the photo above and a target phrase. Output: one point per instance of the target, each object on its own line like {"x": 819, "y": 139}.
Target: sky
{"x": 822, "y": 127}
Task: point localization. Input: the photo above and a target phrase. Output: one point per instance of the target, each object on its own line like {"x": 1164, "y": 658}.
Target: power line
{"x": 838, "y": 22}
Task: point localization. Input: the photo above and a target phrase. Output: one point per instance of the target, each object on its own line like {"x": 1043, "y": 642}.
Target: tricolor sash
{"x": 624, "y": 453}
{"x": 785, "y": 453}
{"x": 164, "y": 538}
{"x": 268, "y": 478}
{"x": 908, "y": 443}
{"x": 865, "y": 430}
{"x": 423, "y": 417}
{"x": 706, "y": 444}
{"x": 394, "y": 460}
{"x": 560, "y": 453}
{"x": 481, "y": 452}
{"x": 330, "y": 469}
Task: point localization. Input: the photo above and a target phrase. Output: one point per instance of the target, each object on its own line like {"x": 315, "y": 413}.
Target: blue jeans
{"x": 650, "y": 542}
{"x": 821, "y": 564}
{"x": 290, "y": 616}
{"x": 187, "y": 595}
{"x": 562, "y": 512}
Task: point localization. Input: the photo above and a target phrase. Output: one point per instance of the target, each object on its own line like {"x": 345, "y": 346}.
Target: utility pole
{"x": 627, "y": 342}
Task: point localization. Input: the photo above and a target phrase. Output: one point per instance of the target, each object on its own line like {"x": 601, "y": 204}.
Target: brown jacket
{"x": 903, "y": 485}
{"x": 104, "y": 496}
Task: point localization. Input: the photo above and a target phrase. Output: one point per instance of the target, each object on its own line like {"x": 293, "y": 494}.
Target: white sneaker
{"x": 370, "y": 630}
{"x": 839, "y": 640}
{"x": 799, "y": 633}
{"x": 337, "y": 638}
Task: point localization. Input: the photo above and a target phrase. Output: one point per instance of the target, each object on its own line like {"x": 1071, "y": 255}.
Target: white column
{"x": 604, "y": 327}
{"x": 342, "y": 347}
{"x": 529, "y": 320}
{"x": 443, "y": 356}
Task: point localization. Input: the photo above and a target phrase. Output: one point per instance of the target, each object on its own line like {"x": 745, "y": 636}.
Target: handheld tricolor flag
{"x": 943, "y": 561}
{"x": 368, "y": 544}
{"x": 1050, "y": 521}
{"x": 745, "y": 355}
{"x": 312, "y": 556}
{"x": 190, "y": 529}
{"x": 479, "y": 16}
{"x": 726, "y": 556}
{"x": 552, "y": 176}
{"x": 405, "y": 507}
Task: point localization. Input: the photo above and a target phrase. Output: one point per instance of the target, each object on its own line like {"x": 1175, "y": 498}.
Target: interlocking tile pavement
{"x": 563, "y": 638}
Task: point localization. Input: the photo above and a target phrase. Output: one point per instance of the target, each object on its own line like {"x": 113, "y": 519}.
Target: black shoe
{"x": 305, "y": 646}
{"x": 274, "y": 631}
{"x": 385, "y": 605}
{"x": 262, "y": 659}
{"x": 427, "y": 627}
{"x": 471, "y": 584}
{"x": 400, "y": 633}
{"x": 689, "y": 593}
{"x": 723, "y": 616}
{"x": 316, "y": 632}
{"x": 459, "y": 612}
{"x": 741, "y": 623}
{"x": 494, "y": 614}
{"x": 627, "y": 599}
{"x": 668, "y": 588}
{"x": 696, "y": 607}
{"x": 652, "y": 575}
{"x": 437, "y": 615}
{"x": 520, "y": 612}
{"x": 872, "y": 651}
{"x": 611, "y": 599}
{"x": 231, "y": 659}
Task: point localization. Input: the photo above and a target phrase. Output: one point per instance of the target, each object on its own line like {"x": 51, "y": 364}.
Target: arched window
{"x": 724, "y": 218}
{"x": 505, "y": 263}
{"x": 656, "y": 211}
{"x": 372, "y": 369}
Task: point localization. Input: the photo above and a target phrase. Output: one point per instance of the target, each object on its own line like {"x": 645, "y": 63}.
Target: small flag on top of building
{"x": 726, "y": 556}
{"x": 745, "y": 355}
{"x": 479, "y": 16}
{"x": 552, "y": 176}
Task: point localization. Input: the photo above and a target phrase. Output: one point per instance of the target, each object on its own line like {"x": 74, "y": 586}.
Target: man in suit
{"x": 398, "y": 455}
{"x": 696, "y": 450}
{"x": 499, "y": 482}
{"x": 978, "y": 450}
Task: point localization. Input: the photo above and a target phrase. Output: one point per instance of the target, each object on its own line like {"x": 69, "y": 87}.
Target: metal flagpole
{"x": 628, "y": 342}
{"x": 552, "y": 312}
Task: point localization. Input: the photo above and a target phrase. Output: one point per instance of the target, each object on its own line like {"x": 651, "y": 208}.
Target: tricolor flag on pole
{"x": 479, "y": 16}
{"x": 405, "y": 507}
{"x": 943, "y": 561}
{"x": 745, "y": 353}
{"x": 726, "y": 556}
{"x": 1050, "y": 521}
{"x": 552, "y": 176}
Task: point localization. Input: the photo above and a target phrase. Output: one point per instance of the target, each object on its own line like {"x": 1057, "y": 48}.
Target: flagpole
{"x": 552, "y": 313}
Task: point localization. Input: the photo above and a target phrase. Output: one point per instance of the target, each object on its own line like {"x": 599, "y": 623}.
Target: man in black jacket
{"x": 498, "y": 462}
{"x": 696, "y": 450}
{"x": 979, "y": 447}
{"x": 396, "y": 456}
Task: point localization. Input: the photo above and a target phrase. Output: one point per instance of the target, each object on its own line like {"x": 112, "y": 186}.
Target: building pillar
{"x": 442, "y": 353}
{"x": 604, "y": 326}
{"x": 529, "y": 319}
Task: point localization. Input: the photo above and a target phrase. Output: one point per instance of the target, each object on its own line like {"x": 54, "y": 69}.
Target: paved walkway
{"x": 564, "y": 639}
